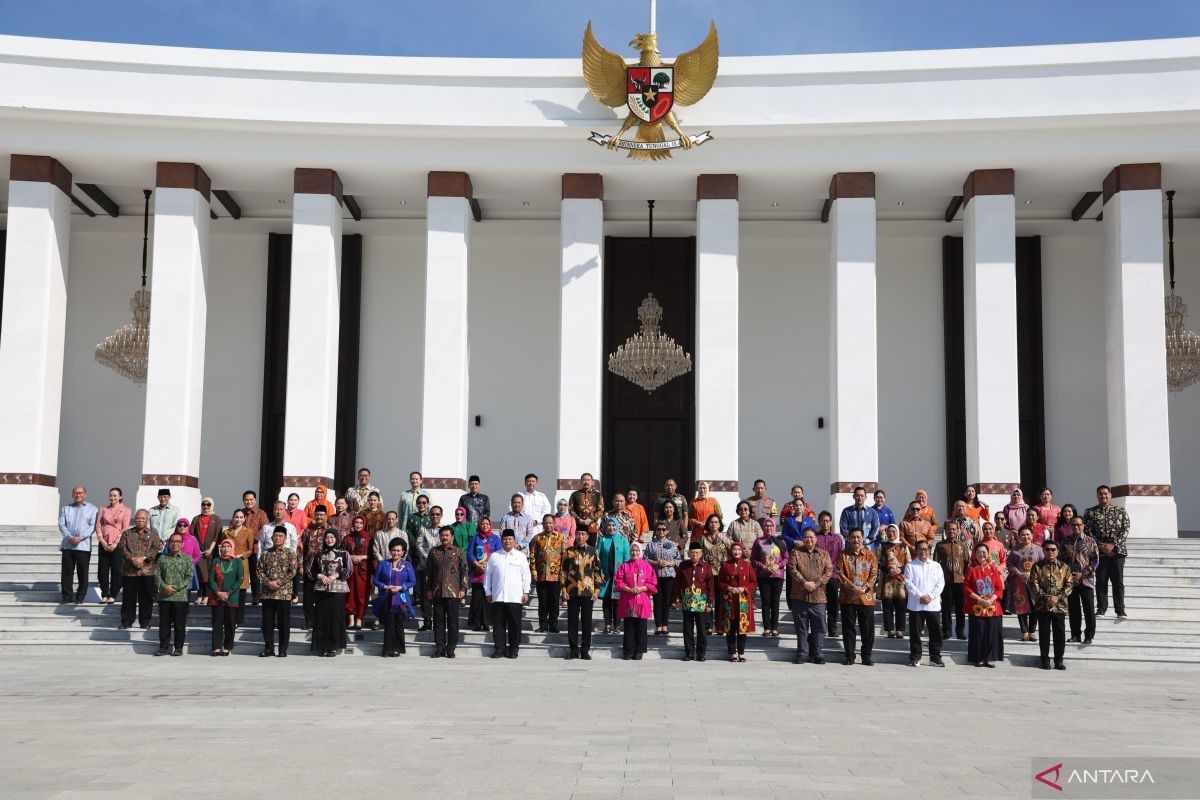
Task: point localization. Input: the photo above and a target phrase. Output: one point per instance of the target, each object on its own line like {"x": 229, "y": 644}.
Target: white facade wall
{"x": 783, "y": 333}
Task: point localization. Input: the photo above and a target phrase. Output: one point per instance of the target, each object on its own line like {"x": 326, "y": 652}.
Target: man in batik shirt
{"x": 1050, "y": 585}
{"x": 356, "y": 496}
{"x": 587, "y": 506}
{"x": 1109, "y": 526}
{"x": 858, "y": 576}
{"x": 477, "y": 504}
{"x": 545, "y": 562}
{"x": 581, "y": 581}
{"x": 276, "y": 567}
{"x": 1081, "y": 553}
{"x": 310, "y": 547}
{"x": 446, "y": 589}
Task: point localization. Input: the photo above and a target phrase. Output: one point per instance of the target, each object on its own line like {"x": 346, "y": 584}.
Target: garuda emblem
{"x": 650, "y": 89}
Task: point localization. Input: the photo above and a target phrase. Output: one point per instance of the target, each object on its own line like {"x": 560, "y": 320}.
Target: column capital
{"x": 40, "y": 169}
{"x": 716, "y": 187}
{"x": 582, "y": 186}
{"x": 989, "y": 181}
{"x": 182, "y": 175}
{"x": 852, "y": 184}
{"x": 1132, "y": 176}
{"x": 318, "y": 181}
{"x": 450, "y": 184}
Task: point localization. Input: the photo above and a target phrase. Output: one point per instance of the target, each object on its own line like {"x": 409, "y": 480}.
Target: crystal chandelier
{"x": 127, "y": 351}
{"x": 1183, "y": 345}
{"x": 650, "y": 358}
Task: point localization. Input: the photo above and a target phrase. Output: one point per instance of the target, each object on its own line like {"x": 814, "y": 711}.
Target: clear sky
{"x": 552, "y": 28}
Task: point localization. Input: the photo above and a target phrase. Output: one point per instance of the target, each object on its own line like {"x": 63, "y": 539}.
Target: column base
{"x": 185, "y": 498}
{"x": 1151, "y": 517}
{"x": 838, "y": 501}
{"x": 25, "y": 504}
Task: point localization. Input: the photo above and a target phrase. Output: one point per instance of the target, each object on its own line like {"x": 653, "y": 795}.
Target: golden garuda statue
{"x": 651, "y": 89}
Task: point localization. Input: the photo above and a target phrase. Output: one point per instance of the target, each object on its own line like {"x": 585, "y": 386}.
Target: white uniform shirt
{"x": 507, "y": 577}
{"x": 536, "y": 506}
{"x": 924, "y": 578}
{"x": 266, "y": 542}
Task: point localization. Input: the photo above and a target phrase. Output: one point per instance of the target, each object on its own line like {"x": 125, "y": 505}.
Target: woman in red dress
{"x": 736, "y": 583}
{"x": 357, "y": 544}
{"x": 983, "y": 593}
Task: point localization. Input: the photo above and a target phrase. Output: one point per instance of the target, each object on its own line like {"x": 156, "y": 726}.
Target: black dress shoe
{"x": 571, "y": 656}
{"x": 1074, "y": 639}
{"x": 449, "y": 655}
{"x": 818, "y": 661}
{"x": 849, "y": 661}
{"x": 497, "y": 655}
{"x": 177, "y": 652}
{"x": 586, "y": 656}
{"x": 281, "y": 654}
{"x": 936, "y": 663}
{"x": 637, "y": 656}
{"x": 436, "y": 654}
{"x": 126, "y": 626}
{"x": 555, "y": 630}
{"x": 687, "y": 657}
{"x": 162, "y": 651}
{"x": 539, "y": 630}
{"x": 511, "y": 655}
{"x": 1087, "y": 640}
{"x": 1059, "y": 665}
{"x": 868, "y": 662}
{"x": 1045, "y": 663}
{"x": 266, "y": 654}
{"x": 626, "y": 656}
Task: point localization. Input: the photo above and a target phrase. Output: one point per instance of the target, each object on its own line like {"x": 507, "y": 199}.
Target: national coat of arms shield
{"x": 651, "y": 91}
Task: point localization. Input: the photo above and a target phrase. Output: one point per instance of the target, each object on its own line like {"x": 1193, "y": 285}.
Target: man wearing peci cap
{"x": 506, "y": 586}
{"x": 276, "y": 568}
{"x": 164, "y": 515}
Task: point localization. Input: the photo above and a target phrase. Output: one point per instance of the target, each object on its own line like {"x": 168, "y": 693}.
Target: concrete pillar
{"x": 447, "y": 355}
{"x": 853, "y": 359}
{"x": 32, "y": 339}
{"x": 716, "y": 357}
{"x": 990, "y": 334}
{"x": 1139, "y": 452}
{"x": 581, "y": 330}
{"x": 314, "y": 311}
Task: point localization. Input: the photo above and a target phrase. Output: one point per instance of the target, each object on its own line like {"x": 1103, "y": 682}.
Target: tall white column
{"x": 444, "y": 428}
{"x": 716, "y": 357}
{"x": 31, "y": 342}
{"x": 314, "y": 311}
{"x": 178, "y": 319}
{"x": 990, "y": 334}
{"x": 853, "y": 359}
{"x": 581, "y": 330}
{"x": 1139, "y": 452}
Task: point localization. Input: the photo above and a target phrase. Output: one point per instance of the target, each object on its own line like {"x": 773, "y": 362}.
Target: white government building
{"x": 910, "y": 269}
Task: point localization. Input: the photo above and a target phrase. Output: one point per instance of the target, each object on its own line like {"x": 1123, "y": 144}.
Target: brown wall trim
{"x": 852, "y": 184}
{"x": 308, "y": 481}
{"x": 846, "y": 487}
{"x": 721, "y": 486}
{"x": 177, "y": 175}
{"x": 443, "y": 483}
{"x": 39, "y": 169}
{"x": 716, "y": 187}
{"x": 1142, "y": 490}
{"x": 989, "y": 181}
{"x": 996, "y": 488}
{"x": 27, "y": 478}
{"x": 573, "y": 484}
{"x": 450, "y": 184}
{"x": 170, "y": 480}
{"x": 582, "y": 186}
{"x": 1132, "y": 176}
{"x": 317, "y": 181}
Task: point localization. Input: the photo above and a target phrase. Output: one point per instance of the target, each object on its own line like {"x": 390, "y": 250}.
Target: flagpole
{"x": 653, "y": 15}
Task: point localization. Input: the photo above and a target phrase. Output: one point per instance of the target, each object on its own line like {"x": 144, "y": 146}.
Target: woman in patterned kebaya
{"x": 637, "y": 581}
{"x": 357, "y": 544}
{"x": 736, "y": 583}
{"x": 983, "y": 590}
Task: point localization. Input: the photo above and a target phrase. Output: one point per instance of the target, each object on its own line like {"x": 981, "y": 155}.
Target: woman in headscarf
{"x": 983, "y": 589}
{"x": 612, "y": 550}
{"x": 481, "y": 547}
{"x": 636, "y": 581}
{"x": 243, "y": 545}
{"x": 225, "y": 586}
{"x": 190, "y": 548}
{"x": 564, "y": 520}
{"x": 329, "y": 571}
{"x": 769, "y": 557}
{"x": 395, "y": 580}
{"x": 463, "y": 529}
{"x": 893, "y": 555}
{"x": 357, "y": 545}
{"x": 736, "y": 583}
{"x": 1016, "y": 512}
{"x": 1020, "y": 598}
{"x": 206, "y": 528}
{"x": 703, "y": 506}
{"x": 319, "y": 501}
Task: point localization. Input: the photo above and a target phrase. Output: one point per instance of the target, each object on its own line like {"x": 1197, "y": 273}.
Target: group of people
{"x": 348, "y": 556}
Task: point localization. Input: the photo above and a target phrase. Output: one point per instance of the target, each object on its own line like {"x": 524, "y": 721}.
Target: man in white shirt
{"x": 265, "y": 540}
{"x": 536, "y": 504}
{"x": 924, "y": 581}
{"x": 164, "y": 515}
{"x": 506, "y": 586}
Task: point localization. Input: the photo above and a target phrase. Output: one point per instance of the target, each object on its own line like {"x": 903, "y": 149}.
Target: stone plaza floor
{"x": 122, "y": 726}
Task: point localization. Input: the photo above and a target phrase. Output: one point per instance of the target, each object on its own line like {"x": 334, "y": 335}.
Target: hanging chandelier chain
{"x": 1171, "y": 235}
{"x": 145, "y": 233}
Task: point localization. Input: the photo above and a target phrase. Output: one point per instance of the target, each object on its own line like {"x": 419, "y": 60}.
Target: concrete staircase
{"x": 1162, "y": 595}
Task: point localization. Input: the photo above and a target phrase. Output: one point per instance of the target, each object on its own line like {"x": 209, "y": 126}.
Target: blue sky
{"x": 552, "y": 28}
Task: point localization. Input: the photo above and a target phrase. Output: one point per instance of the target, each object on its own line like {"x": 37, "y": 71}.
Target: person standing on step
{"x": 636, "y": 581}
{"x": 395, "y": 580}
{"x": 506, "y": 586}
{"x": 140, "y": 549}
{"x": 663, "y": 554}
{"x": 545, "y": 562}
{"x": 164, "y": 516}
{"x": 254, "y": 520}
{"x": 1081, "y": 553}
{"x": 736, "y": 582}
{"x": 446, "y": 590}
{"x": 858, "y": 575}
{"x": 76, "y": 523}
{"x": 1109, "y": 526}
{"x": 111, "y": 522}
{"x": 172, "y": 576}
{"x": 581, "y": 580}
{"x": 225, "y": 596}
{"x": 276, "y": 569}
{"x": 954, "y": 556}
{"x": 810, "y": 570}
{"x": 924, "y": 582}
{"x": 694, "y": 594}
{"x": 1050, "y": 583}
